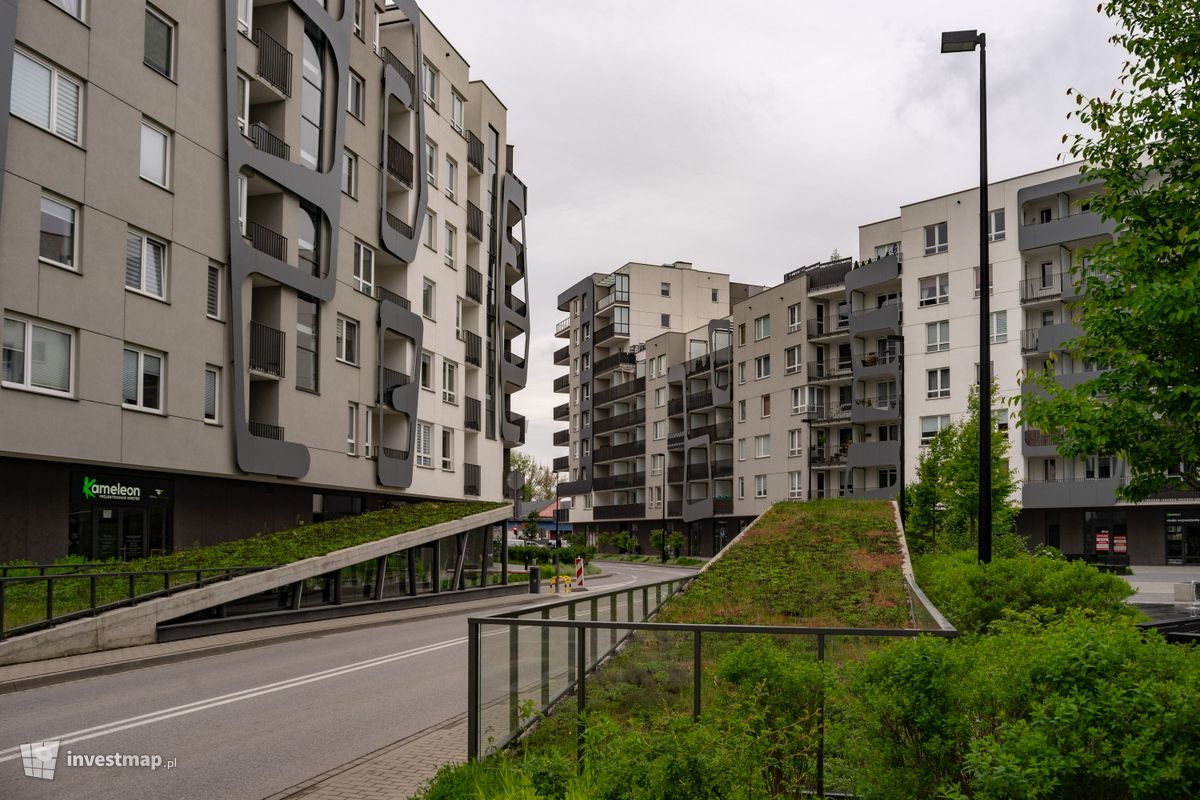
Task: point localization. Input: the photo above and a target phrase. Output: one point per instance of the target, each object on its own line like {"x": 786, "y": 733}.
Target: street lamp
{"x": 965, "y": 42}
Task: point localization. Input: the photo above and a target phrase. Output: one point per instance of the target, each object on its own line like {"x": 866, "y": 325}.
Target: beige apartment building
{"x": 266, "y": 268}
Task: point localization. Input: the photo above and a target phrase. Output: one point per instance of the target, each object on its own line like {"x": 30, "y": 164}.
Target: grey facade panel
{"x": 8, "y": 39}
{"x": 391, "y": 470}
{"x": 872, "y": 274}
{"x": 514, "y": 370}
{"x": 1077, "y": 227}
{"x": 873, "y": 454}
{"x": 1069, "y": 493}
{"x": 402, "y": 246}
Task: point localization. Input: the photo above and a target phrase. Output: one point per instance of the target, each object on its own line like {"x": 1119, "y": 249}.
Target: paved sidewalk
{"x": 395, "y": 772}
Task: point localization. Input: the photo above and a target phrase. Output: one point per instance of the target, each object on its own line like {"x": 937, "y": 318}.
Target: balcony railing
{"x": 562, "y": 438}
{"x": 722, "y": 468}
{"x": 699, "y": 400}
{"x": 674, "y": 406}
{"x": 617, "y": 359}
{"x": 399, "y": 226}
{"x": 675, "y": 440}
{"x": 406, "y": 74}
{"x": 474, "y": 221}
{"x": 625, "y": 389}
{"x": 674, "y": 508}
{"x": 561, "y": 463}
{"x": 562, "y": 356}
{"x": 1034, "y": 438}
{"x": 827, "y": 456}
{"x": 697, "y": 471}
{"x": 625, "y": 511}
{"x": 562, "y": 383}
{"x": 383, "y": 294}
{"x": 474, "y": 152}
{"x": 609, "y": 331}
{"x": 390, "y": 379}
{"x": 723, "y": 505}
{"x": 563, "y": 327}
{"x": 828, "y": 326}
{"x": 562, "y": 412}
{"x": 274, "y": 62}
{"x": 697, "y": 365}
{"x": 265, "y": 240}
{"x": 627, "y": 480}
{"x": 617, "y": 421}
{"x": 830, "y": 412}
{"x": 1029, "y": 340}
{"x": 474, "y": 284}
{"x": 473, "y": 414}
{"x": 722, "y": 357}
{"x": 675, "y": 474}
{"x": 399, "y": 162}
{"x": 612, "y": 298}
{"x": 394, "y": 453}
{"x": 618, "y": 451}
{"x": 266, "y": 349}
{"x": 268, "y": 142}
{"x": 474, "y": 349}
{"x": 825, "y": 372}
{"x": 471, "y": 480}
{"x": 515, "y": 303}
{"x": 716, "y": 431}
{"x": 265, "y": 430}
{"x": 829, "y": 277}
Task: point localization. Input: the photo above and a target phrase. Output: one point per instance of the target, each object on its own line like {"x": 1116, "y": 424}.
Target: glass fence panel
{"x": 494, "y": 668}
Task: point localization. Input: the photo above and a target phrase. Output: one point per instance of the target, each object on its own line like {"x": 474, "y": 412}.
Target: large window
{"x": 794, "y": 320}
{"x": 160, "y": 42}
{"x": 364, "y": 268}
{"x": 307, "y": 340}
{"x": 931, "y": 426}
{"x": 935, "y": 289}
{"x": 449, "y": 382}
{"x": 156, "y": 147}
{"x": 996, "y": 225}
{"x": 938, "y": 383}
{"x": 762, "y": 327}
{"x": 142, "y": 380}
{"x": 762, "y": 367}
{"x": 795, "y": 485}
{"x": 312, "y": 100}
{"x": 58, "y": 245}
{"x": 44, "y": 96}
{"x": 999, "y": 326}
{"x": 760, "y": 486}
{"x": 424, "y": 444}
{"x": 937, "y": 336}
{"x": 145, "y": 265}
{"x": 791, "y": 360}
{"x": 936, "y": 238}
{"x": 37, "y": 356}
{"x": 762, "y": 446}
{"x": 212, "y": 390}
{"x": 347, "y": 340}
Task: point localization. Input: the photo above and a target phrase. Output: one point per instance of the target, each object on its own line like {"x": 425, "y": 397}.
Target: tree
{"x": 531, "y": 530}
{"x": 943, "y": 504}
{"x": 540, "y": 480}
{"x": 1141, "y": 307}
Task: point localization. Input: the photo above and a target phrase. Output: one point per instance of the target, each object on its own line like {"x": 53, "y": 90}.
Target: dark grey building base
{"x": 1154, "y": 533}
{"x": 703, "y": 537}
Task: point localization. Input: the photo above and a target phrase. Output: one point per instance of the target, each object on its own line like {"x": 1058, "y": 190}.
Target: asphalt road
{"x": 249, "y": 723}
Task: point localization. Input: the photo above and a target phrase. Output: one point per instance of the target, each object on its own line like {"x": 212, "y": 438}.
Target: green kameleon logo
{"x": 89, "y": 492}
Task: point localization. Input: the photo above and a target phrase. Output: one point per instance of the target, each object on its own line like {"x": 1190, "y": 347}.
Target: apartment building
{"x": 279, "y": 271}
{"x": 832, "y": 382}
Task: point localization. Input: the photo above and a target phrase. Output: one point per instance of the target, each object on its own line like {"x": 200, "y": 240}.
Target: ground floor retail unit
{"x": 1147, "y": 534}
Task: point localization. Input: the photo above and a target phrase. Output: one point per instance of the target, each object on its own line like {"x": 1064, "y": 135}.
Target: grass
{"x": 26, "y": 603}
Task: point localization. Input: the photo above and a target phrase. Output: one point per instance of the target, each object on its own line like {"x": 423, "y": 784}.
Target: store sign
{"x": 1102, "y": 542}
{"x": 1119, "y": 543}
{"x": 1183, "y": 517}
{"x": 95, "y": 487}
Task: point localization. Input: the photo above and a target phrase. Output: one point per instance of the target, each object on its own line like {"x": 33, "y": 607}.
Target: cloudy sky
{"x": 754, "y": 137}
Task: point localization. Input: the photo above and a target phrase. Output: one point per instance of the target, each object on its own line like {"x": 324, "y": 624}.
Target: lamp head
{"x": 960, "y": 41}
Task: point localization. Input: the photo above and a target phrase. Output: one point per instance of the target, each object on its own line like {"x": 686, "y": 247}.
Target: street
{"x": 249, "y": 723}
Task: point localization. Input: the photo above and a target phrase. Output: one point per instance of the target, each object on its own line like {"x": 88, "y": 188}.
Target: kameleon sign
{"x": 100, "y": 487}
{"x": 94, "y": 490}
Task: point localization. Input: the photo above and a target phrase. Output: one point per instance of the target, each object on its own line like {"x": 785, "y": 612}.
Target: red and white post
{"x": 578, "y": 573}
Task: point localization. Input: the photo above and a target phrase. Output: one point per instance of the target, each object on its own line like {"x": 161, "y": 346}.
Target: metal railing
{"x": 609, "y": 331}
{"x": 562, "y": 412}
{"x": 562, "y": 327}
{"x": 696, "y": 365}
{"x": 474, "y": 284}
{"x": 274, "y": 62}
{"x": 265, "y": 240}
{"x": 562, "y": 356}
{"x": 562, "y": 383}
{"x": 39, "y": 570}
{"x": 406, "y": 74}
{"x": 471, "y": 481}
{"x": 625, "y": 480}
{"x": 86, "y": 594}
{"x": 699, "y": 400}
{"x": 473, "y": 354}
{"x": 562, "y": 438}
{"x": 623, "y": 511}
{"x": 619, "y": 451}
{"x": 635, "y": 417}
{"x": 616, "y": 392}
{"x": 266, "y": 349}
{"x": 561, "y": 463}
{"x": 474, "y": 221}
{"x": 472, "y": 414}
{"x": 391, "y": 297}
{"x": 399, "y": 162}
{"x": 697, "y": 471}
{"x": 474, "y": 152}
{"x": 394, "y": 453}
{"x": 391, "y": 379}
{"x": 398, "y": 225}
{"x": 265, "y": 430}
{"x": 828, "y": 326}
{"x": 268, "y": 142}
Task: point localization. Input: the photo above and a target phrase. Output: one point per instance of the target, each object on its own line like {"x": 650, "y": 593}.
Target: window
{"x": 213, "y": 294}
{"x": 159, "y": 42}
{"x": 155, "y": 154}
{"x": 429, "y": 83}
{"x": 212, "y": 387}
{"x": 458, "y": 319}
{"x": 428, "y": 297}
{"x": 937, "y": 336}
{"x": 312, "y": 102}
{"x": 427, "y": 371}
{"x": 762, "y": 327}
{"x": 660, "y": 397}
{"x": 765, "y": 405}
{"x": 741, "y": 488}
{"x": 358, "y": 18}
{"x": 242, "y": 185}
{"x": 795, "y": 443}
{"x": 665, "y": 320}
{"x": 741, "y": 410}
{"x": 449, "y": 382}
{"x": 664, "y": 289}
{"x": 741, "y": 334}
{"x": 999, "y": 326}
{"x": 716, "y": 296}
{"x": 245, "y": 11}
{"x": 797, "y": 400}
{"x": 145, "y": 265}
{"x": 741, "y": 449}
{"x": 935, "y": 239}
{"x": 762, "y": 446}
{"x": 760, "y": 486}
{"x": 307, "y": 341}
{"x": 352, "y": 429}
{"x": 996, "y": 225}
{"x": 451, "y": 177}
{"x": 660, "y": 429}
{"x": 141, "y": 380}
{"x": 891, "y": 249}
{"x": 791, "y": 360}
{"x": 450, "y": 245}
{"x": 37, "y": 356}
{"x": 347, "y": 340}
{"x": 1098, "y": 467}
{"x": 72, "y": 7}
{"x": 795, "y": 485}
{"x": 243, "y": 103}
{"x": 741, "y": 372}
{"x": 354, "y": 97}
{"x": 369, "y": 432}
{"x": 364, "y": 268}
{"x": 431, "y": 230}
{"x": 762, "y": 367}
{"x": 45, "y": 97}
{"x": 886, "y": 477}
{"x": 456, "y": 111}
{"x": 447, "y": 449}
{"x": 431, "y": 162}
{"x": 58, "y": 244}
{"x": 991, "y": 279}
{"x": 349, "y": 173}
{"x": 889, "y": 433}
{"x": 656, "y": 463}
{"x": 424, "y": 444}
{"x": 938, "y": 383}
{"x": 794, "y": 320}
{"x": 935, "y": 289}
{"x": 931, "y": 426}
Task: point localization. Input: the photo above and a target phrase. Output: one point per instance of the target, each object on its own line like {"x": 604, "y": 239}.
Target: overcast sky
{"x": 754, "y": 137}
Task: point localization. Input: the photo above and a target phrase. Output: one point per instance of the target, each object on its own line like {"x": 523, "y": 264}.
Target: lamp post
{"x": 965, "y": 42}
{"x": 663, "y": 549}
{"x": 557, "y": 534}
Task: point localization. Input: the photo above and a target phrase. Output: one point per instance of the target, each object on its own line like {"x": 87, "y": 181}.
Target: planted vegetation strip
{"x": 25, "y": 602}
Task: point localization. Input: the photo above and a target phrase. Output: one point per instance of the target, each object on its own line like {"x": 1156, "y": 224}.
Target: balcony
{"x": 885, "y": 319}
{"x": 611, "y": 299}
{"x": 399, "y": 226}
{"x": 819, "y": 372}
{"x": 699, "y": 400}
{"x": 674, "y": 406}
{"x": 474, "y": 221}
{"x": 474, "y": 152}
{"x": 562, "y": 438}
{"x": 626, "y": 511}
{"x": 1070, "y": 493}
{"x": 618, "y": 451}
{"x": 563, "y": 328}
{"x": 829, "y": 277}
{"x": 675, "y": 440}
{"x": 722, "y": 468}
{"x": 571, "y": 488}
{"x": 828, "y": 328}
{"x": 265, "y": 240}
{"x": 618, "y": 421}
{"x": 1042, "y": 289}
{"x": 674, "y": 508}
{"x": 390, "y": 379}
{"x": 697, "y": 365}
{"x": 619, "y": 391}
{"x": 875, "y": 409}
{"x": 399, "y": 162}
{"x": 627, "y": 480}
{"x": 474, "y": 349}
{"x": 1048, "y": 338}
{"x": 387, "y": 295}
{"x": 874, "y": 273}
{"x": 610, "y": 331}
{"x": 269, "y": 143}
{"x": 394, "y": 453}
{"x": 471, "y": 480}
{"x": 406, "y": 74}
{"x": 562, "y": 383}
{"x": 474, "y": 284}
{"x": 562, "y": 412}
{"x": 265, "y": 430}
{"x": 516, "y": 304}
{"x": 266, "y": 349}
{"x": 473, "y": 414}
{"x": 828, "y": 413}
{"x": 874, "y": 454}
{"x": 722, "y": 357}
{"x": 874, "y": 366}
{"x": 675, "y": 474}
{"x": 697, "y": 471}
{"x": 562, "y": 356}
{"x": 827, "y": 456}
{"x": 561, "y": 463}
{"x": 1063, "y": 230}
{"x": 609, "y": 363}
{"x": 723, "y": 506}
{"x": 274, "y": 62}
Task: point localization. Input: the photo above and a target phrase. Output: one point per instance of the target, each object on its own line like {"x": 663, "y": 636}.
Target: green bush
{"x": 974, "y": 595}
{"x": 1079, "y": 709}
